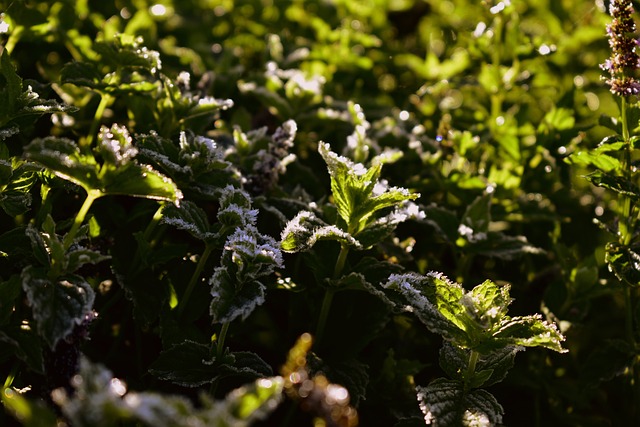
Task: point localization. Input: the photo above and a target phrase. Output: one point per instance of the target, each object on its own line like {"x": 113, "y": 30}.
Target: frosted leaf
{"x": 57, "y": 305}
{"x": 233, "y": 195}
{"x": 9, "y": 132}
{"x": 234, "y": 215}
{"x": 232, "y": 299}
{"x": 116, "y": 145}
{"x": 303, "y": 231}
{"x": 444, "y": 403}
{"x": 190, "y": 218}
{"x": 100, "y": 400}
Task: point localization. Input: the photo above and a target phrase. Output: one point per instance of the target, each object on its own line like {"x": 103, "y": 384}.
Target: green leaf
{"x": 79, "y": 256}
{"x": 10, "y": 90}
{"x": 119, "y": 174}
{"x": 28, "y": 412}
{"x": 195, "y": 163}
{"x": 303, "y": 231}
{"x": 356, "y": 190}
{"x": 232, "y": 300}
{"x": 487, "y": 303}
{"x": 614, "y": 183}
{"x": 191, "y": 364}
{"x": 596, "y": 158}
{"x": 16, "y": 180}
{"x": 492, "y": 367}
{"x": 624, "y": 262}
{"x": 445, "y": 404}
{"x": 62, "y": 156}
{"x": 527, "y": 331}
{"x": 57, "y": 305}
{"x": 416, "y": 291}
{"x": 560, "y": 119}
{"x": 478, "y": 214}
{"x": 477, "y": 319}
{"x": 253, "y": 402}
{"x": 101, "y": 400}
{"x": 268, "y": 98}
{"x": 190, "y": 218}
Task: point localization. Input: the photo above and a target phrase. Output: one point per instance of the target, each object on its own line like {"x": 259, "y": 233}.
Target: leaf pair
{"x": 476, "y": 319}
{"x": 358, "y": 194}
{"x": 111, "y": 170}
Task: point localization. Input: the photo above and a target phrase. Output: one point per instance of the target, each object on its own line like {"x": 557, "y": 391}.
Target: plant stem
{"x": 12, "y": 375}
{"x": 471, "y": 368}
{"x": 221, "y": 339}
{"x": 328, "y": 296}
{"x": 88, "y": 141}
{"x": 626, "y": 229}
{"x": 92, "y": 195}
{"x": 219, "y": 351}
{"x": 625, "y": 223}
{"x": 153, "y": 223}
{"x": 194, "y": 279}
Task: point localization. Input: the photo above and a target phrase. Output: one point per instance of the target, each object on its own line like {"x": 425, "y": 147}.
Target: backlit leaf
{"x": 305, "y": 229}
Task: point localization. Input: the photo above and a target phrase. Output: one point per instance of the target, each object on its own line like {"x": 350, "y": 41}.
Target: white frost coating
{"x": 243, "y": 215}
{"x": 122, "y": 152}
{"x": 244, "y": 242}
{"x": 231, "y": 194}
{"x": 295, "y": 225}
{"x": 164, "y": 161}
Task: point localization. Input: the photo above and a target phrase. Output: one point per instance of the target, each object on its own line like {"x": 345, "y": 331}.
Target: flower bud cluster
{"x": 624, "y": 60}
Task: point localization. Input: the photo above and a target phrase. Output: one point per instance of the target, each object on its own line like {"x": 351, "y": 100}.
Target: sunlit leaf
{"x": 305, "y": 229}
{"x": 119, "y": 174}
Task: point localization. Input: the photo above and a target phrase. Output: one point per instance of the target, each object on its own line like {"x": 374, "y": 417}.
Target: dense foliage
{"x": 332, "y": 212}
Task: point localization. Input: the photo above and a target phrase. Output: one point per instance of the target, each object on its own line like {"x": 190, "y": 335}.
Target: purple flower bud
{"x": 624, "y": 62}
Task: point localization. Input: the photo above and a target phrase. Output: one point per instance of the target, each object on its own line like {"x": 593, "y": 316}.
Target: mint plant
{"x": 172, "y": 251}
{"x": 615, "y": 171}
{"x": 480, "y": 344}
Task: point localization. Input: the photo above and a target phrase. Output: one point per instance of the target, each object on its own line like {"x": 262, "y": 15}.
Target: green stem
{"x": 625, "y": 230}
{"x": 12, "y": 375}
{"x": 471, "y": 368}
{"x": 221, "y": 339}
{"x": 92, "y": 195}
{"x": 155, "y": 220}
{"x": 219, "y": 352}
{"x": 340, "y": 262}
{"x": 97, "y": 119}
{"x": 328, "y": 296}
{"x": 194, "y": 279}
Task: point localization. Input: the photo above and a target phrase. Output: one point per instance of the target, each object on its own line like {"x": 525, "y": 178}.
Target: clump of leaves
{"x": 481, "y": 342}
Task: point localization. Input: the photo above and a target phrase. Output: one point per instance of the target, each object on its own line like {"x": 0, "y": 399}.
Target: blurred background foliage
{"x": 482, "y": 97}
